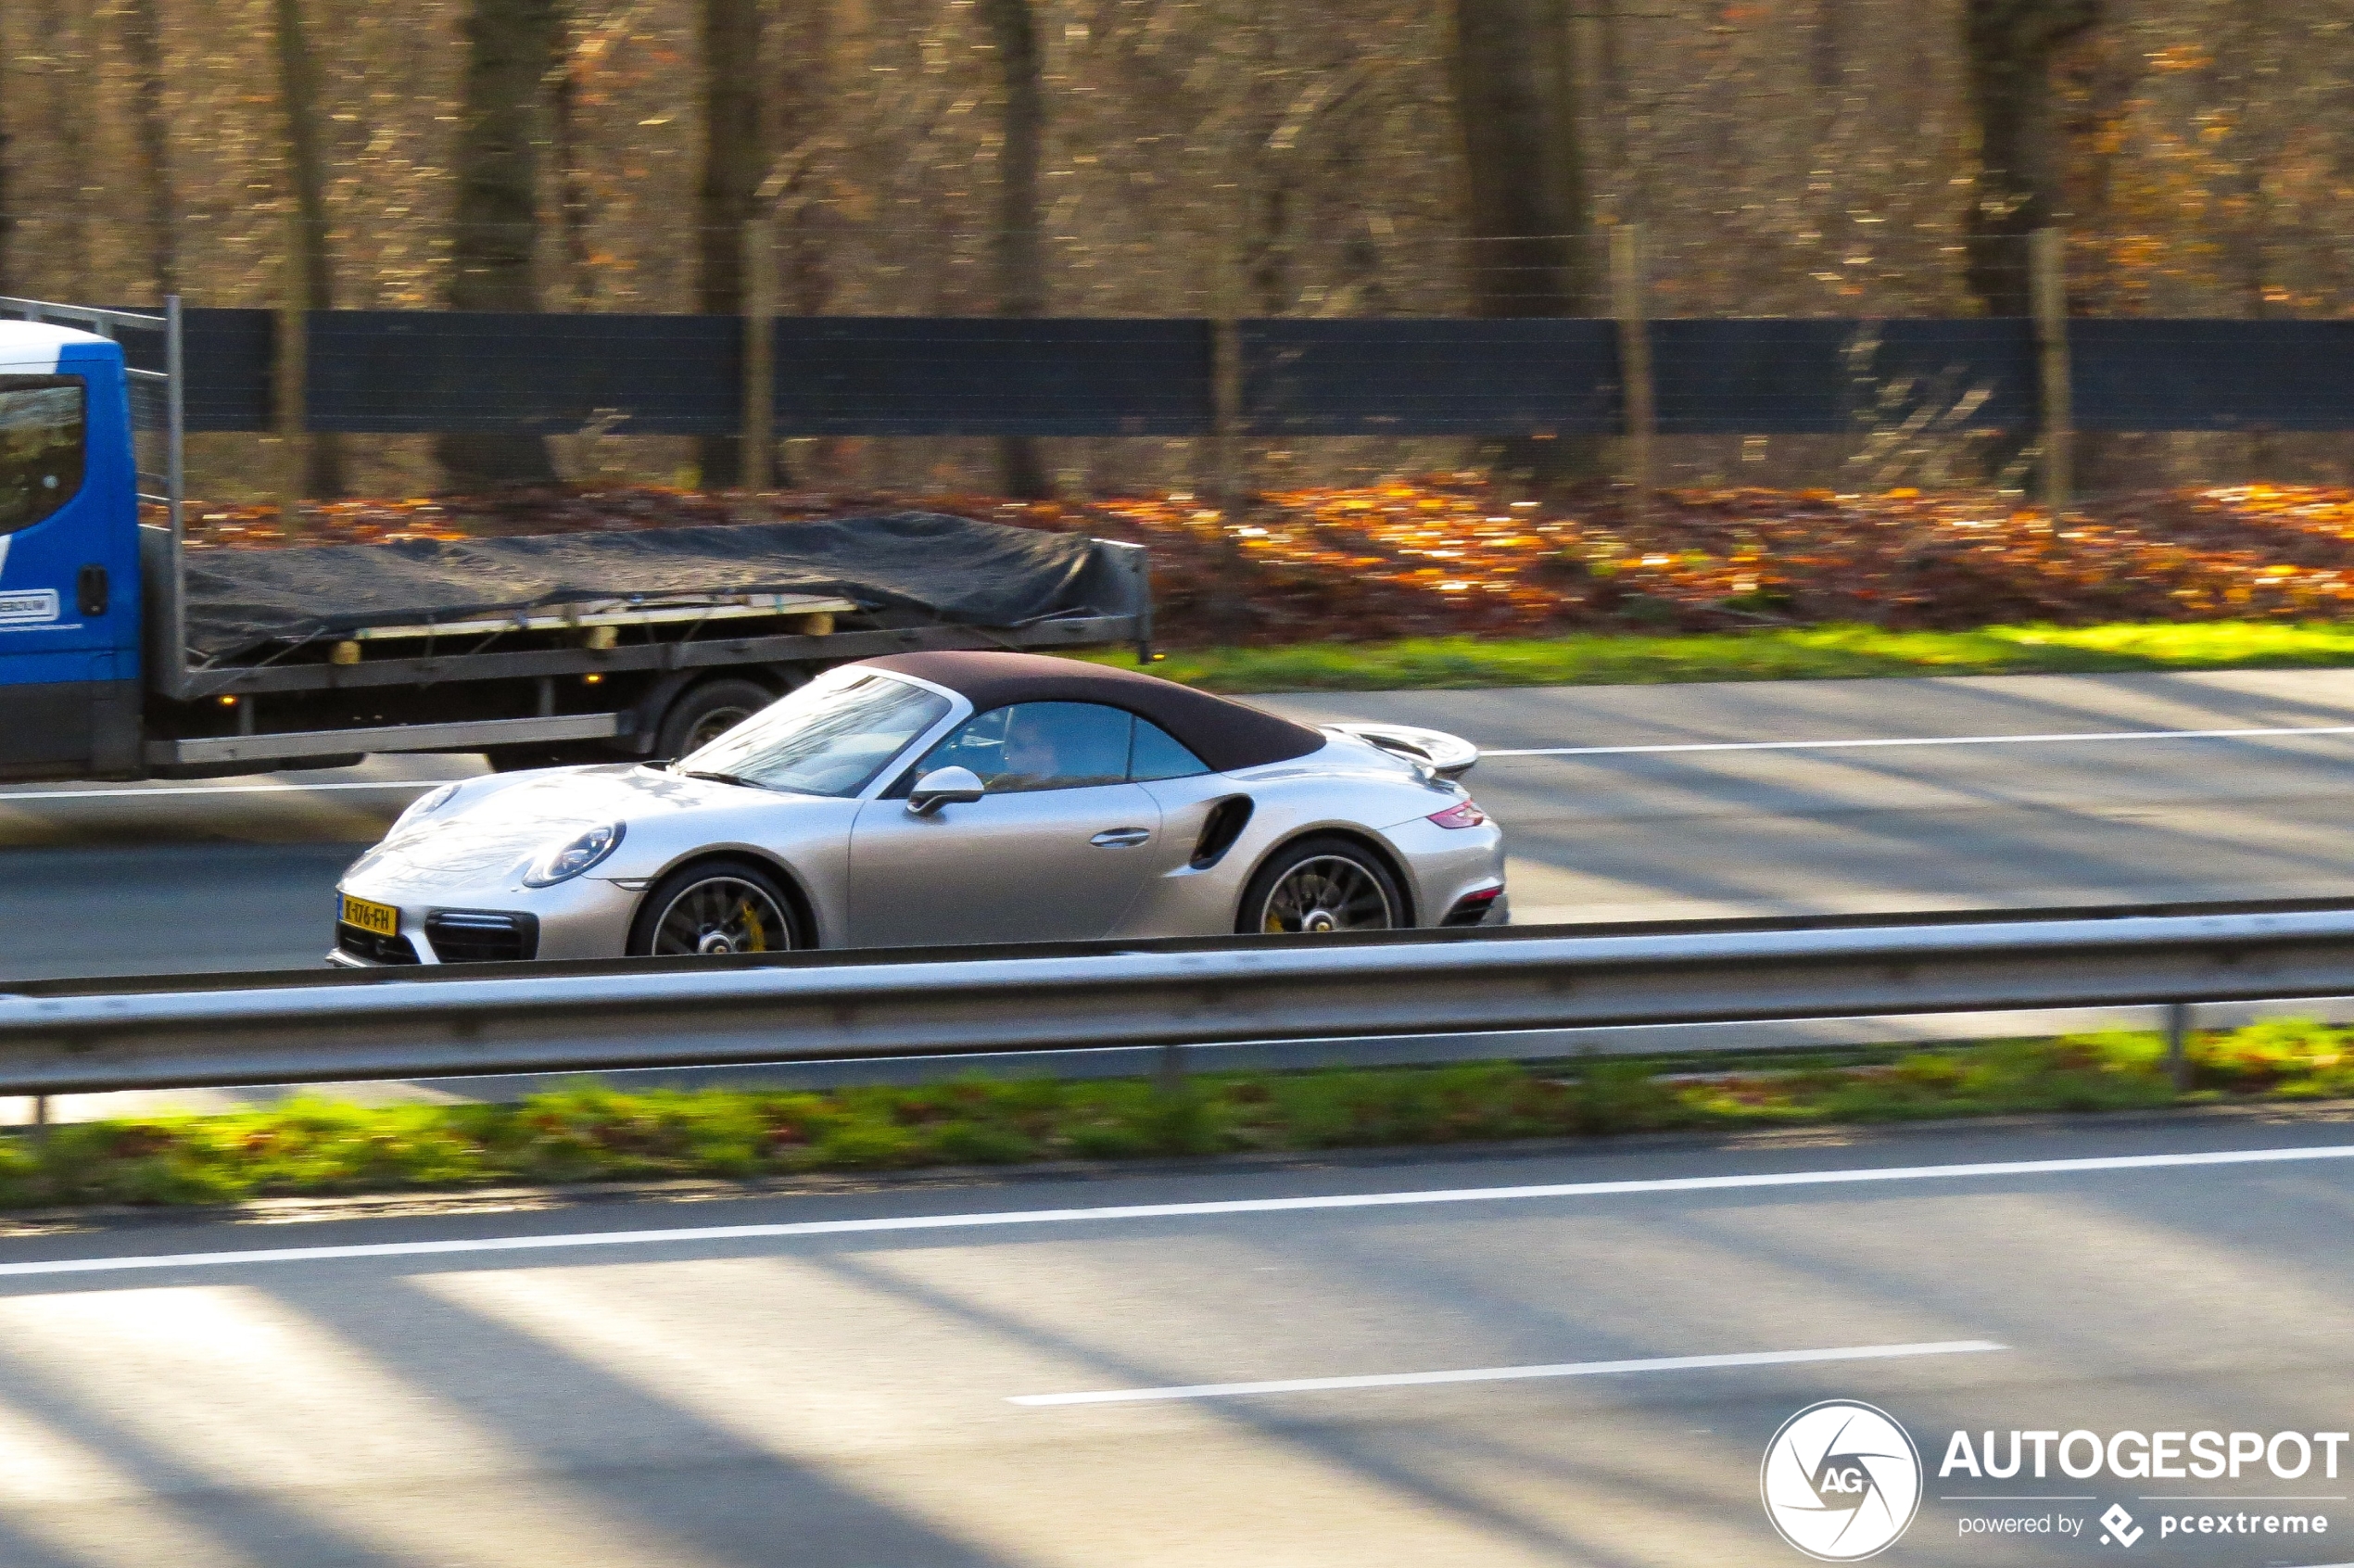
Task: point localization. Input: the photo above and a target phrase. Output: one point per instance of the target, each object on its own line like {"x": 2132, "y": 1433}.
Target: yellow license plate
{"x": 381, "y": 919}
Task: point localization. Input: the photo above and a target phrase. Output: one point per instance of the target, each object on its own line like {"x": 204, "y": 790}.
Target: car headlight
{"x": 570, "y": 859}
{"x": 424, "y": 806}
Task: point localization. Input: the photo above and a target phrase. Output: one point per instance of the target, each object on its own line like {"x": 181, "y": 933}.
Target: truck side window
{"x": 41, "y": 425}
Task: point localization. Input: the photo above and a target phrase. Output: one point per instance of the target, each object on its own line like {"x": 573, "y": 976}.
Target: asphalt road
{"x": 237, "y": 874}
{"x": 882, "y": 1377}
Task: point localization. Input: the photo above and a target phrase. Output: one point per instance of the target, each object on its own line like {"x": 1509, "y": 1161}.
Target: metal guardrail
{"x": 806, "y": 1007}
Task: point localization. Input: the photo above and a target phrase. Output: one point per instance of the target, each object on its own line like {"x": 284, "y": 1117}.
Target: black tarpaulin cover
{"x": 952, "y": 568}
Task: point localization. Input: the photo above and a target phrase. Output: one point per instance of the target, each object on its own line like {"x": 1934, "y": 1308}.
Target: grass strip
{"x": 590, "y": 1134}
{"x": 1821, "y": 652}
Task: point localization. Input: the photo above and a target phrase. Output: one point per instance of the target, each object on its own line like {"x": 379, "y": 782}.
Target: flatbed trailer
{"x": 125, "y": 655}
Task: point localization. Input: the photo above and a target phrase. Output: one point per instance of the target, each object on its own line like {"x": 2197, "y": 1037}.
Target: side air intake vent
{"x": 1225, "y": 825}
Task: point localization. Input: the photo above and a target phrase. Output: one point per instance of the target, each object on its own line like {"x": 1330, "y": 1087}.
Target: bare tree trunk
{"x": 1531, "y": 211}
{"x": 142, "y": 43}
{"x": 8, "y": 213}
{"x": 734, "y": 161}
{"x": 312, "y": 279}
{"x": 1019, "y": 252}
{"x": 2011, "y": 45}
{"x": 572, "y": 178}
{"x": 511, "y": 51}
{"x": 64, "y": 131}
{"x": 2105, "y": 73}
{"x": 1826, "y": 55}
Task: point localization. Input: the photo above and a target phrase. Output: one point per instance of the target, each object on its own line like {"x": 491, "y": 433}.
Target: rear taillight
{"x": 1466, "y": 814}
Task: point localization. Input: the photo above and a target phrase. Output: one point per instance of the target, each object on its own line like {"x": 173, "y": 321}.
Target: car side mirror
{"x": 944, "y": 786}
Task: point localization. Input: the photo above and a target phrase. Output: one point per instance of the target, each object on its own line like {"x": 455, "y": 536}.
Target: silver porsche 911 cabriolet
{"x": 932, "y": 798}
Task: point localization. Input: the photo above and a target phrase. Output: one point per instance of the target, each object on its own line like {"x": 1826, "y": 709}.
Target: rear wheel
{"x": 717, "y": 907}
{"x": 1319, "y": 885}
{"x": 707, "y": 713}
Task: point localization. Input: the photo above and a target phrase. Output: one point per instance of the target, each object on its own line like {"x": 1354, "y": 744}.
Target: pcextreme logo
{"x": 1842, "y": 1481}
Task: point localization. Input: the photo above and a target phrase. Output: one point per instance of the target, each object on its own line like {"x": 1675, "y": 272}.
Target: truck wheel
{"x": 704, "y": 713}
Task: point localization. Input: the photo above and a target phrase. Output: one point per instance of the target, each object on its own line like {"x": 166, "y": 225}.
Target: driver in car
{"x": 1033, "y": 761}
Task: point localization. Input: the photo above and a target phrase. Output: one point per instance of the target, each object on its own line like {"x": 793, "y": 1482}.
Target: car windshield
{"x": 829, "y": 738}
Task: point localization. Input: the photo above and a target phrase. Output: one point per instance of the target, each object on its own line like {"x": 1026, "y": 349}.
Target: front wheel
{"x": 718, "y": 908}
{"x": 1320, "y": 886}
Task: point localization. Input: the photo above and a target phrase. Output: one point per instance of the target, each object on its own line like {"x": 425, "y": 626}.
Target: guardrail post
{"x": 1169, "y": 1075}
{"x": 1638, "y": 396}
{"x": 2178, "y": 1040}
{"x": 2047, "y": 284}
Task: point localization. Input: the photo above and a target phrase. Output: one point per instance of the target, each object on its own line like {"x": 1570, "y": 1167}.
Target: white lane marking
{"x": 704, "y": 1233}
{"x": 1914, "y": 740}
{"x": 1503, "y": 1374}
{"x": 420, "y": 785}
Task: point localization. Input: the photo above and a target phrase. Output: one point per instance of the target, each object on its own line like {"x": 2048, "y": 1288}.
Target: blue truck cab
{"x": 70, "y": 678}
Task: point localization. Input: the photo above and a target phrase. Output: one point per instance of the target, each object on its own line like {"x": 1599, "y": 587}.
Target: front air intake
{"x": 373, "y": 946}
{"x": 482, "y": 936}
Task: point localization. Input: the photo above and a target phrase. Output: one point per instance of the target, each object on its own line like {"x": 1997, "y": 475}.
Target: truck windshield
{"x": 41, "y": 444}
{"x": 828, "y": 737}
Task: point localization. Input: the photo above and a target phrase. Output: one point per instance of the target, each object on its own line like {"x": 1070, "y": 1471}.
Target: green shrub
{"x": 590, "y": 1132}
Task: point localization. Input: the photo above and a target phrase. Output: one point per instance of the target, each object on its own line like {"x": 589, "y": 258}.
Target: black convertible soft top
{"x": 1225, "y": 734}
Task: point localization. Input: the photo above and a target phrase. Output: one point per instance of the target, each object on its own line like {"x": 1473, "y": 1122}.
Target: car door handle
{"x": 1122, "y": 838}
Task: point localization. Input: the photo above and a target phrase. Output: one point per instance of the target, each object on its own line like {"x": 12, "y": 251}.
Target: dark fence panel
{"x": 411, "y": 371}
{"x": 391, "y": 372}
{"x": 1391, "y": 377}
{"x": 2159, "y": 374}
{"x": 229, "y": 357}
{"x": 899, "y": 375}
{"x": 1815, "y": 377}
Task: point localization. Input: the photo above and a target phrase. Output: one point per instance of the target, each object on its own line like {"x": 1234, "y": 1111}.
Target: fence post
{"x": 759, "y": 457}
{"x": 1226, "y": 408}
{"x": 1636, "y": 391}
{"x": 290, "y": 375}
{"x": 2047, "y": 285}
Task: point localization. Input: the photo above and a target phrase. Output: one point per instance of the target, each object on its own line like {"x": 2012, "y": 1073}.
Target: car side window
{"x": 1156, "y": 753}
{"x": 1039, "y": 746}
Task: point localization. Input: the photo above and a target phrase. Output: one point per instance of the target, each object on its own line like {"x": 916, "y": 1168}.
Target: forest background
{"x": 1219, "y": 157}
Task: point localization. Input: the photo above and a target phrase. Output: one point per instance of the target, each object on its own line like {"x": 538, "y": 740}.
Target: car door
{"x": 1056, "y": 850}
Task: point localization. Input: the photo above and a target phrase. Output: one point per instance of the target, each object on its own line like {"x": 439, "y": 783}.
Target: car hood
{"x": 493, "y": 827}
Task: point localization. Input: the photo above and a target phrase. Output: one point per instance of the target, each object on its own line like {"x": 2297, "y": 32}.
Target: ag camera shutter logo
{"x": 1842, "y": 1481}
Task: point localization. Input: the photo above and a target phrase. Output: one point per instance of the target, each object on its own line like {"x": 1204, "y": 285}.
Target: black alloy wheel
{"x": 1320, "y": 886}
{"x": 713, "y": 909}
